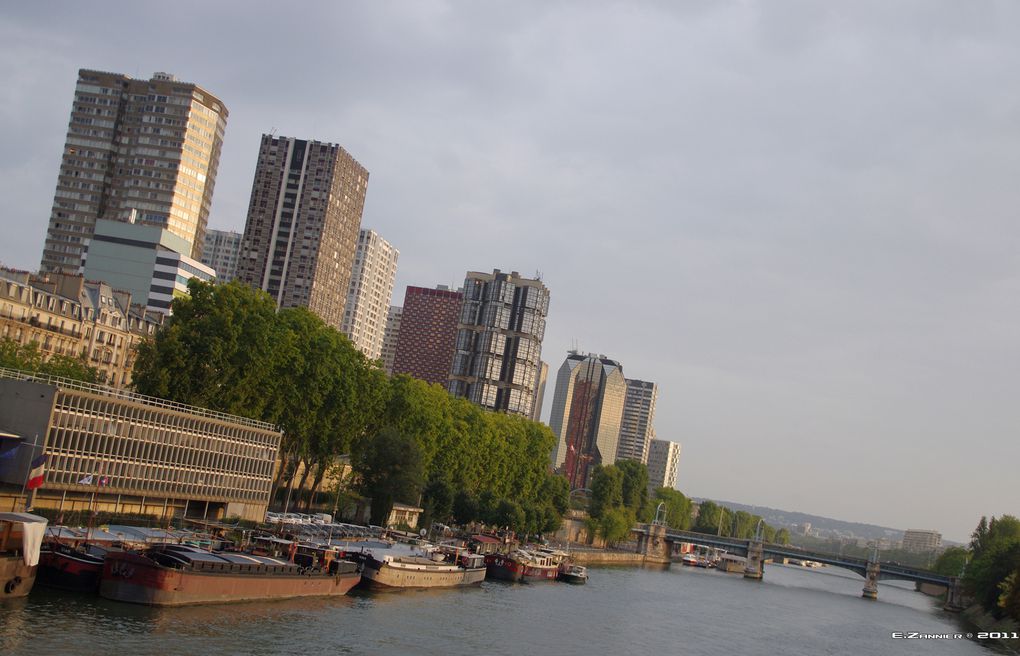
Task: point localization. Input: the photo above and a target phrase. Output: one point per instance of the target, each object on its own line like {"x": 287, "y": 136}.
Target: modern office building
{"x": 134, "y": 453}
{"x": 427, "y": 334}
{"x": 540, "y": 380}
{"x": 64, "y": 314}
{"x": 304, "y": 217}
{"x": 147, "y": 261}
{"x": 663, "y": 458}
{"x": 370, "y": 293}
{"x": 636, "y": 428}
{"x": 499, "y": 341}
{"x": 221, "y": 250}
{"x": 143, "y": 150}
{"x": 921, "y": 540}
{"x": 390, "y": 337}
{"x": 586, "y": 414}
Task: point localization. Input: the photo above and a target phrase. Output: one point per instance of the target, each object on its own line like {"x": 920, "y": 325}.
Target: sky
{"x": 799, "y": 218}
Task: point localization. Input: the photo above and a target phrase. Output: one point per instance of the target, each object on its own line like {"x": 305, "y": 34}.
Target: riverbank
{"x": 606, "y": 557}
{"x": 983, "y": 620}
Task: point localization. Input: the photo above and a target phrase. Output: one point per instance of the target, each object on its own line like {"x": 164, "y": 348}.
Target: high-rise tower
{"x": 499, "y": 341}
{"x": 303, "y": 222}
{"x": 136, "y": 150}
{"x": 636, "y": 428}
{"x": 369, "y": 293}
{"x": 586, "y": 414}
{"x": 427, "y": 333}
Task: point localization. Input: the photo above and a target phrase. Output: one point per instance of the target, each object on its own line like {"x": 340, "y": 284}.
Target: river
{"x": 620, "y": 611}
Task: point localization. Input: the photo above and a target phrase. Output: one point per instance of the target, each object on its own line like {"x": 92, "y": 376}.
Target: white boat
{"x": 433, "y": 568}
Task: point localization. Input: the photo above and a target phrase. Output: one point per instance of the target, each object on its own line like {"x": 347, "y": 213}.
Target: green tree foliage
{"x": 995, "y": 557}
{"x": 606, "y": 490}
{"x": 678, "y": 507}
{"x": 951, "y": 561}
{"x": 557, "y": 491}
{"x": 465, "y": 507}
{"x": 615, "y": 524}
{"x": 634, "y": 486}
{"x": 710, "y": 517}
{"x": 389, "y": 465}
{"x": 782, "y": 536}
{"x": 28, "y": 357}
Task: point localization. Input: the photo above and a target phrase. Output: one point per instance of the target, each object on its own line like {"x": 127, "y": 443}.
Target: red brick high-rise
{"x": 428, "y": 334}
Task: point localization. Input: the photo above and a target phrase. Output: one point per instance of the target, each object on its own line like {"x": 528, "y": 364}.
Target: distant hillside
{"x": 788, "y": 518}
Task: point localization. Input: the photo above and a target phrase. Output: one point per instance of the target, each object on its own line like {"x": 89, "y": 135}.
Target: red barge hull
{"x": 68, "y": 568}
{"x": 136, "y": 579}
{"x": 505, "y": 568}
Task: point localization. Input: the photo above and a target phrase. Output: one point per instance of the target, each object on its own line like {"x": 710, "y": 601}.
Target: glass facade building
{"x": 498, "y": 354}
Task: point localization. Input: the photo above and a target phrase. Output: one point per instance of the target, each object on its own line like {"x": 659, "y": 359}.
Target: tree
{"x": 951, "y": 561}
{"x": 557, "y": 491}
{"x": 634, "y": 486}
{"x": 28, "y": 357}
{"x": 710, "y": 517}
{"x": 678, "y": 507}
{"x": 465, "y": 507}
{"x": 782, "y": 536}
{"x": 511, "y": 515}
{"x": 390, "y": 468}
{"x": 437, "y": 501}
{"x": 615, "y": 524}
{"x": 606, "y": 490}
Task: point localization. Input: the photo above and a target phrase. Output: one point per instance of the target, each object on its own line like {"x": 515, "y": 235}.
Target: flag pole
{"x": 28, "y": 472}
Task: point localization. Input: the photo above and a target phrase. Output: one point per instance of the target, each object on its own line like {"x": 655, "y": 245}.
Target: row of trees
{"x": 228, "y": 348}
{"x": 991, "y": 565}
{"x": 28, "y": 357}
{"x": 620, "y": 499}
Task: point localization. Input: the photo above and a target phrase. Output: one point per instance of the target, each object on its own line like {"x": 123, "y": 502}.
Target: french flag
{"x": 37, "y": 473}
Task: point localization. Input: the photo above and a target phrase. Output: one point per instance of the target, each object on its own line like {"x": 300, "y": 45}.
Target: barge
{"x": 181, "y": 575}
{"x": 21, "y": 536}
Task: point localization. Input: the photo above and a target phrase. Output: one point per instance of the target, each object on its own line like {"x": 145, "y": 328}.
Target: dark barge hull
{"x": 67, "y": 568}
{"x": 135, "y": 579}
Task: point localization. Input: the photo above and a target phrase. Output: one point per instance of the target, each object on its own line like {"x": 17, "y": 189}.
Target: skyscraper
{"x": 428, "y": 332}
{"x": 586, "y": 414}
{"x": 540, "y": 380}
{"x": 390, "y": 337}
{"x": 663, "y": 458}
{"x": 638, "y": 419}
{"x": 499, "y": 341}
{"x": 303, "y": 222}
{"x": 221, "y": 250}
{"x": 369, "y": 293}
{"x": 142, "y": 150}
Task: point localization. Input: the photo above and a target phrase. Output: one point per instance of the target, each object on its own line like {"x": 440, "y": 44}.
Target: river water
{"x": 620, "y": 611}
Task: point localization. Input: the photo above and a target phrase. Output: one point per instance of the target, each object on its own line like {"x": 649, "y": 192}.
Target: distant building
{"x": 304, "y": 218}
{"x": 369, "y": 293}
{"x": 663, "y": 458}
{"x": 222, "y": 248}
{"x": 586, "y": 414}
{"x": 132, "y": 453}
{"x": 147, "y": 261}
{"x": 921, "y": 540}
{"x": 146, "y": 150}
{"x": 428, "y": 332}
{"x": 390, "y": 337}
{"x": 499, "y": 341}
{"x": 636, "y": 427}
{"x": 543, "y": 376}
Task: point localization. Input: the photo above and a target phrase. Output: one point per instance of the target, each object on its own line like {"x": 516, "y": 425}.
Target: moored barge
{"x": 180, "y": 575}
{"x": 522, "y": 565}
{"x": 21, "y": 536}
{"x": 433, "y": 570}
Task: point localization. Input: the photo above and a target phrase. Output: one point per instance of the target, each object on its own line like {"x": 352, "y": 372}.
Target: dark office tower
{"x": 144, "y": 151}
{"x": 303, "y": 222}
{"x": 586, "y": 414}
{"x": 499, "y": 341}
{"x": 428, "y": 331}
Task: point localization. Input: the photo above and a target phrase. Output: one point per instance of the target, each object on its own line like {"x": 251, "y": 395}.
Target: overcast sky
{"x": 799, "y": 218}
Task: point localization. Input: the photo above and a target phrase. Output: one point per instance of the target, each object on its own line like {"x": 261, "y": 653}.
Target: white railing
{"x": 70, "y": 383}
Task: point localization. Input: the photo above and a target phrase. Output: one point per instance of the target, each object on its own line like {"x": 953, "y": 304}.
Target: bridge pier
{"x": 871, "y": 581}
{"x": 654, "y": 546}
{"x": 954, "y": 596}
{"x": 754, "y": 568}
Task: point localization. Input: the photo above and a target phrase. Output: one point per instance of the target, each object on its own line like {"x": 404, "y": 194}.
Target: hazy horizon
{"x": 798, "y": 218}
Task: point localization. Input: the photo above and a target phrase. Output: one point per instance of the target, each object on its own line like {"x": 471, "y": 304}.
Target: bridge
{"x": 658, "y": 542}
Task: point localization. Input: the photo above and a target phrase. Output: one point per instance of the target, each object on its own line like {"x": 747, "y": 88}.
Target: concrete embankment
{"x": 983, "y": 620}
{"x": 606, "y": 557}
